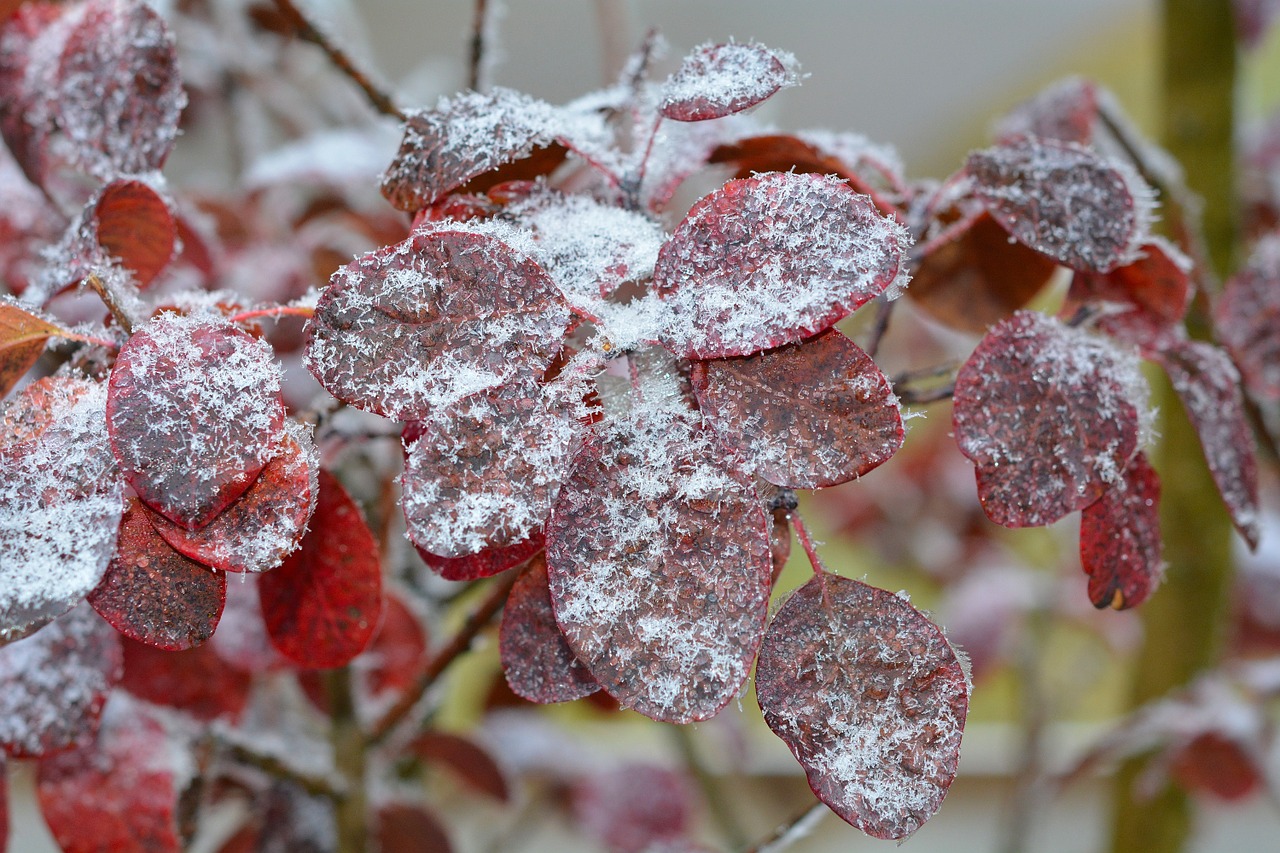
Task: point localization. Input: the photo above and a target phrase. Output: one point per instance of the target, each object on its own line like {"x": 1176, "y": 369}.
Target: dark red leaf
{"x": 1046, "y": 413}
{"x": 195, "y": 413}
{"x": 153, "y": 594}
{"x": 633, "y": 807}
{"x": 134, "y": 225}
{"x": 471, "y": 762}
{"x": 322, "y": 604}
{"x": 118, "y": 795}
{"x": 1147, "y": 299}
{"x": 1066, "y": 111}
{"x": 54, "y": 683}
{"x": 1215, "y": 763}
{"x": 30, "y": 44}
{"x": 416, "y": 327}
{"x": 807, "y": 415}
{"x": 848, "y": 155}
{"x": 717, "y": 80}
{"x": 22, "y": 339}
{"x": 1120, "y": 539}
{"x": 1064, "y": 200}
{"x": 1247, "y": 319}
{"x": 770, "y": 260}
{"x": 1208, "y": 385}
{"x": 264, "y": 524}
{"x": 536, "y": 658}
{"x": 870, "y": 697}
{"x": 196, "y": 680}
{"x": 485, "y": 563}
{"x": 1254, "y": 20}
{"x": 404, "y": 828}
{"x": 659, "y": 565}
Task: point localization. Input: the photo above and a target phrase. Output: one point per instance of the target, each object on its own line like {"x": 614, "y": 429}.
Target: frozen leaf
{"x": 1065, "y": 111}
{"x": 536, "y": 658}
{"x": 60, "y": 500}
{"x": 1120, "y": 539}
{"x": 322, "y": 604}
{"x": 266, "y": 523}
{"x": 467, "y": 759}
{"x": 153, "y": 594}
{"x": 194, "y": 412}
{"x": 119, "y": 794}
{"x": 807, "y": 415}
{"x": 633, "y": 807}
{"x": 1147, "y": 299}
{"x": 484, "y": 563}
{"x": 1047, "y": 414}
{"x": 773, "y": 259}
{"x": 1208, "y": 385}
{"x": 849, "y": 155}
{"x": 1247, "y": 319}
{"x": 871, "y": 699}
{"x": 659, "y": 565}
{"x": 22, "y": 339}
{"x": 717, "y": 80}
{"x": 130, "y": 222}
{"x": 416, "y": 327}
{"x": 404, "y": 828}
{"x": 30, "y": 44}
{"x": 195, "y": 680}
{"x": 54, "y": 683}
{"x": 1064, "y": 200}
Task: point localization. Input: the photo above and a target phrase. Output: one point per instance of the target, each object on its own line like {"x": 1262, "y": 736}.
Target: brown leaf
{"x": 22, "y": 339}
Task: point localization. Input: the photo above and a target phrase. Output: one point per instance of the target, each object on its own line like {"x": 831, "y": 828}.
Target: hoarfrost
{"x": 717, "y": 80}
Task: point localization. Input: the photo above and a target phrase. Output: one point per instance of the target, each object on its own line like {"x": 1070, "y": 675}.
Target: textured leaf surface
{"x": 1047, "y": 415}
{"x": 1145, "y": 300}
{"x": 194, "y": 413}
{"x": 484, "y": 563}
{"x": 1120, "y": 539}
{"x": 773, "y": 259}
{"x": 321, "y": 605}
{"x": 1065, "y": 111}
{"x": 153, "y": 594}
{"x": 659, "y": 565}
{"x": 195, "y": 680}
{"x": 536, "y": 658}
{"x": 717, "y": 80}
{"x": 806, "y": 415}
{"x": 54, "y": 683}
{"x": 22, "y": 339}
{"x": 133, "y": 224}
{"x": 1247, "y": 319}
{"x": 870, "y": 698}
{"x": 417, "y": 326}
{"x": 1064, "y": 200}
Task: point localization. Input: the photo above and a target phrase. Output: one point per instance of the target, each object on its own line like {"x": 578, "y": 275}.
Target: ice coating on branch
{"x": 717, "y": 80}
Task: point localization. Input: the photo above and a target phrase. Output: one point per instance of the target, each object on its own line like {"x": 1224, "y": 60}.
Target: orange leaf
{"x": 22, "y": 339}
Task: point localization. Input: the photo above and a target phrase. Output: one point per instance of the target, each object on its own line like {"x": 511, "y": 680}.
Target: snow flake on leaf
{"x": 717, "y": 80}
{"x": 1120, "y": 539}
{"x": 1247, "y": 319}
{"x": 536, "y": 658}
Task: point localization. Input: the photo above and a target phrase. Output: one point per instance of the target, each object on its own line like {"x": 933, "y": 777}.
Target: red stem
{"x": 802, "y": 533}
{"x": 274, "y": 312}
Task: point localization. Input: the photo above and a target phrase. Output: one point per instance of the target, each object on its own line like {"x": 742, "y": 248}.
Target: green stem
{"x": 351, "y": 809}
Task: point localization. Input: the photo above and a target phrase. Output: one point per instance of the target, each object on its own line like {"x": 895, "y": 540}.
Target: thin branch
{"x": 274, "y": 313}
{"x": 718, "y": 804}
{"x": 802, "y": 533}
{"x": 276, "y": 768}
{"x": 884, "y": 312}
{"x": 479, "y": 26}
{"x": 914, "y": 397}
{"x": 114, "y": 301}
{"x": 350, "y": 756}
{"x": 791, "y": 831}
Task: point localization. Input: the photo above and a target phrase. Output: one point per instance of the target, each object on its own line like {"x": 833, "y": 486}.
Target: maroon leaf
{"x": 770, "y": 260}
{"x": 1120, "y": 539}
{"x": 1065, "y": 111}
{"x": 416, "y": 327}
{"x": 659, "y": 565}
{"x": 118, "y": 795}
{"x": 153, "y": 594}
{"x": 717, "y": 80}
{"x": 54, "y": 683}
{"x": 22, "y": 339}
{"x": 484, "y": 563}
{"x": 1218, "y": 764}
{"x": 194, "y": 412}
{"x": 1065, "y": 201}
{"x": 264, "y": 524}
{"x": 322, "y": 604}
{"x": 849, "y": 155}
{"x": 536, "y": 658}
{"x": 806, "y": 415}
{"x": 196, "y": 680}
{"x": 30, "y": 44}
{"x": 404, "y": 828}
{"x": 134, "y": 225}
{"x": 1148, "y": 298}
{"x": 1247, "y": 319}
{"x": 472, "y": 764}
{"x": 1046, "y": 413}
{"x": 634, "y": 807}
{"x": 871, "y": 699}
{"x": 1208, "y": 385}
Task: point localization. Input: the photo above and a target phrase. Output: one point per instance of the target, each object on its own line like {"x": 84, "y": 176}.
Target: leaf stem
{"x": 276, "y": 768}
{"x": 479, "y": 24}
{"x": 802, "y": 533}
{"x": 949, "y": 234}
{"x": 114, "y": 302}
{"x": 274, "y": 312}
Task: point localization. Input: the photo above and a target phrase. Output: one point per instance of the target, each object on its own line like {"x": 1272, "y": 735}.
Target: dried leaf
{"x": 22, "y": 339}
{"x": 197, "y": 681}
{"x": 536, "y": 658}
{"x": 1120, "y": 539}
{"x": 1247, "y": 319}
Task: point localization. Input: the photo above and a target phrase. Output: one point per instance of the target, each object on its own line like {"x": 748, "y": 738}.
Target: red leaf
{"x": 405, "y": 828}
{"x": 634, "y": 807}
{"x": 153, "y": 594}
{"x": 659, "y": 565}
{"x": 54, "y": 683}
{"x": 133, "y": 224}
{"x": 1208, "y": 385}
{"x": 536, "y": 658}
{"x": 485, "y": 563}
{"x": 22, "y": 339}
{"x": 1120, "y": 539}
{"x": 806, "y": 415}
{"x": 194, "y": 412}
{"x": 1147, "y": 298}
{"x": 196, "y": 680}
{"x": 321, "y": 606}
{"x": 1247, "y": 319}
{"x": 1064, "y": 200}
{"x": 4, "y": 805}
{"x": 30, "y": 44}
{"x": 1065, "y": 111}
{"x": 1254, "y": 20}
{"x": 119, "y": 795}
{"x": 264, "y": 524}
{"x": 770, "y": 260}
{"x": 1046, "y": 414}
{"x": 849, "y": 155}
{"x": 870, "y": 698}
{"x": 1215, "y": 763}
{"x": 416, "y": 327}
{"x": 717, "y": 80}
{"x": 473, "y": 765}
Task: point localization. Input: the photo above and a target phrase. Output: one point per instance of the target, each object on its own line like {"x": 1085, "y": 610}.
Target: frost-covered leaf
{"x": 1120, "y": 539}
{"x": 1065, "y": 111}
{"x": 850, "y": 155}
{"x": 415, "y": 327}
{"x": 61, "y": 499}
{"x": 22, "y": 339}
{"x": 405, "y": 828}
{"x": 536, "y": 658}
{"x": 1247, "y": 319}
{"x": 197, "y": 680}
{"x": 1047, "y": 414}
{"x": 484, "y": 563}
{"x": 266, "y": 523}
{"x": 195, "y": 413}
{"x": 153, "y": 594}
{"x": 1208, "y": 385}
{"x": 770, "y": 260}
{"x": 1146, "y": 299}
{"x": 659, "y": 565}
{"x": 471, "y": 762}
{"x": 634, "y": 807}
{"x": 321, "y": 605}
{"x": 30, "y": 42}
{"x": 870, "y": 698}
{"x": 1064, "y": 200}
{"x": 806, "y": 415}
{"x": 717, "y": 80}
{"x": 54, "y": 683}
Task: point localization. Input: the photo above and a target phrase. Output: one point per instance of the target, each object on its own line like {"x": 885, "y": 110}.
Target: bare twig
{"x": 884, "y": 312}
{"x": 351, "y": 812}
{"x": 791, "y": 831}
{"x": 479, "y": 27}
{"x": 320, "y": 786}
{"x": 720, "y": 807}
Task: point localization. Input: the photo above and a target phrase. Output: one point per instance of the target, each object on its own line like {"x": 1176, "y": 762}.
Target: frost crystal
{"x": 717, "y": 80}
